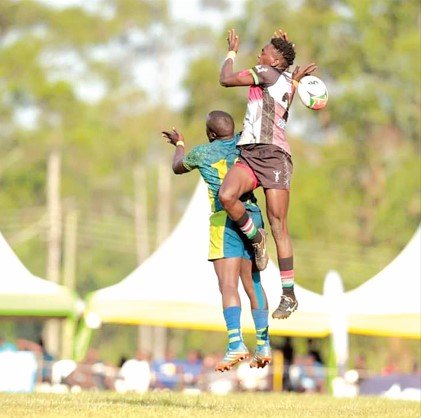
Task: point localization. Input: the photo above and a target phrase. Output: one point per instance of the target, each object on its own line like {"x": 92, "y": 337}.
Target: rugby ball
{"x": 313, "y": 92}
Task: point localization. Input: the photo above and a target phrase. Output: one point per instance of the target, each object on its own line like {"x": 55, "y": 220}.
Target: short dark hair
{"x": 285, "y": 48}
{"x": 221, "y": 123}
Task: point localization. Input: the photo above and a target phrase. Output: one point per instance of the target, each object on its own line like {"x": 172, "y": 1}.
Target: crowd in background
{"x": 194, "y": 373}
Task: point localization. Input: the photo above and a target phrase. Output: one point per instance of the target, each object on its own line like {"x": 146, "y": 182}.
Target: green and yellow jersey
{"x": 213, "y": 160}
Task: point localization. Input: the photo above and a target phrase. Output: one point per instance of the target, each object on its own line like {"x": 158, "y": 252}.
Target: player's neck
{"x": 224, "y": 138}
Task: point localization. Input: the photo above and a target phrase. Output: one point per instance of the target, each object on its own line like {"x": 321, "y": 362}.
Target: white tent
{"x": 389, "y": 304}
{"x": 23, "y": 294}
{"x": 177, "y": 287}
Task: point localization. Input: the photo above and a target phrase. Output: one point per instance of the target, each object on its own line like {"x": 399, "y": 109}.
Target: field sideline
{"x": 170, "y": 404}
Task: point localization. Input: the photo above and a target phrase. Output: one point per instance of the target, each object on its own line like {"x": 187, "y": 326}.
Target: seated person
{"x": 167, "y": 372}
{"x": 135, "y": 374}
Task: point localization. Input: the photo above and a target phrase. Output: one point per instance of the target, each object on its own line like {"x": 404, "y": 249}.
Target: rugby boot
{"x": 260, "y": 253}
{"x": 232, "y": 357}
{"x": 262, "y": 355}
{"x": 286, "y": 307}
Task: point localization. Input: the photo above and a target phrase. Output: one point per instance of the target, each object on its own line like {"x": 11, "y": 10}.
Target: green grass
{"x": 168, "y": 405}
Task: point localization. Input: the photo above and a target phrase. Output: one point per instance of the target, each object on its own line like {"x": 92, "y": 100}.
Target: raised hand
{"x": 233, "y": 41}
{"x": 299, "y": 73}
{"x": 173, "y": 136}
{"x": 280, "y": 33}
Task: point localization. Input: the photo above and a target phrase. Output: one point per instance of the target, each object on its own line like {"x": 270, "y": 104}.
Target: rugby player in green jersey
{"x": 229, "y": 251}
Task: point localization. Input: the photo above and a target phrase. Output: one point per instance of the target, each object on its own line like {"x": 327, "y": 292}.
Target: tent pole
{"x": 69, "y": 268}
{"x": 163, "y": 229}
{"x": 278, "y": 370}
{"x": 82, "y": 340}
{"x": 68, "y": 335}
{"x": 52, "y": 328}
{"x": 144, "y": 335}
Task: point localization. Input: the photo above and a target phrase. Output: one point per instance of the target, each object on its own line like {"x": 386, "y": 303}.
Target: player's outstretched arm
{"x": 227, "y": 76}
{"x": 177, "y": 139}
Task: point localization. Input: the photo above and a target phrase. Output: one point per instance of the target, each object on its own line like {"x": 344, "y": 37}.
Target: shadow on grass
{"x": 173, "y": 400}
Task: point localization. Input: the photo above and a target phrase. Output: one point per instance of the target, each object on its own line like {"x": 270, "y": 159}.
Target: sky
{"x": 187, "y": 10}
{"x": 190, "y": 11}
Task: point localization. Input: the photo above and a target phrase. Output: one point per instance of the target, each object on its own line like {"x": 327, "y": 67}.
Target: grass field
{"x": 170, "y": 405}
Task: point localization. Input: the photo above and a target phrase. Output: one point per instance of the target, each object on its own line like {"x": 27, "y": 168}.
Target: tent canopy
{"x": 23, "y": 294}
{"x": 177, "y": 287}
{"x": 389, "y": 304}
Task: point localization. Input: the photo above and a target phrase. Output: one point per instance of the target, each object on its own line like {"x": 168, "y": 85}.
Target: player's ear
{"x": 275, "y": 63}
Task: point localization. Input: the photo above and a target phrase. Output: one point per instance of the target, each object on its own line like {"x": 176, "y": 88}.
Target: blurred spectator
{"x": 6, "y": 345}
{"x": 60, "y": 371}
{"x": 416, "y": 368}
{"x": 121, "y": 361}
{"x": 44, "y": 357}
{"x": 360, "y": 366}
{"x": 18, "y": 370}
{"x": 288, "y": 355}
{"x": 91, "y": 373}
{"x": 296, "y": 373}
{"x": 390, "y": 367}
{"x": 287, "y": 351}
{"x": 167, "y": 372}
{"x": 307, "y": 375}
{"x": 135, "y": 374}
{"x": 360, "y": 362}
{"x": 346, "y": 386}
{"x": 219, "y": 383}
{"x": 252, "y": 379}
{"x": 315, "y": 372}
{"x": 192, "y": 369}
{"x": 47, "y": 361}
{"x": 208, "y": 368}
{"x": 314, "y": 351}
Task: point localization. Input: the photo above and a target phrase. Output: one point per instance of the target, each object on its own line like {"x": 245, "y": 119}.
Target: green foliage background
{"x": 355, "y": 199}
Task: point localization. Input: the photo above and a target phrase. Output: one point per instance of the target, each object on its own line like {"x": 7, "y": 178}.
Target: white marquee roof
{"x": 23, "y": 294}
{"x": 176, "y": 286}
{"x": 390, "y": 303}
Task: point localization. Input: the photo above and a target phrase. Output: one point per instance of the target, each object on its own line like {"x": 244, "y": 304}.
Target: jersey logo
{"x": 281, "y": 123}
{"x": 277, "y": 174}
{"x": 261, "y": 69}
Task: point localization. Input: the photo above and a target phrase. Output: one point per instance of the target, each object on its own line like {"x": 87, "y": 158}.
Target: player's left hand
{"x": 299, "y": 73}
{"x": 173, "y": 136}
{"x": 280, "y": 33}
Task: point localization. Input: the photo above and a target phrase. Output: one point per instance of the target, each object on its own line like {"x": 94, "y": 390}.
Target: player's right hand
{"x": 173, "y": 136}
{"x": 233, "y": 41}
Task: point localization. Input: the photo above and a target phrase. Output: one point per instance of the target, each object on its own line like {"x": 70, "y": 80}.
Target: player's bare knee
{"x": 227, "y": 198}
{"x": 228, "y": 289}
